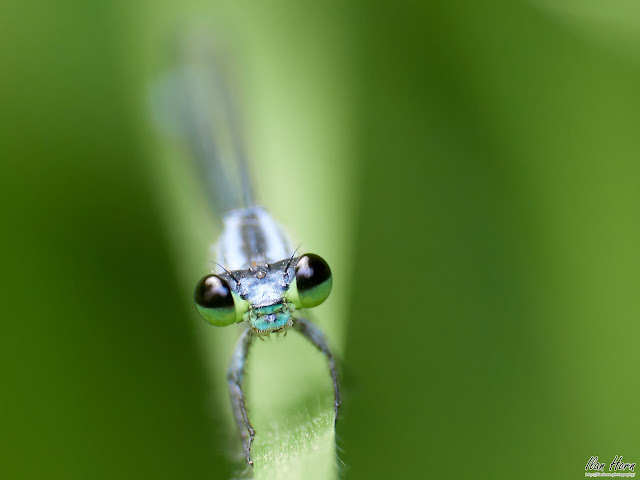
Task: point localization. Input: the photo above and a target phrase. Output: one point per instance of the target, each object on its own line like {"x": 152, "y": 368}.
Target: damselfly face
{"x": 264, "y": 295}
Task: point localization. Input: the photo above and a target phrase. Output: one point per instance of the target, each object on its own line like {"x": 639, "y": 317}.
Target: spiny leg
{"x": 234, "y": 377}
{"x": 316, "y": 337}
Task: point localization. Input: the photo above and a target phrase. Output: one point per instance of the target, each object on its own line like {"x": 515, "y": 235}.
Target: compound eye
{"x": 313, "y": 280}
{"x": 214, "y": 301}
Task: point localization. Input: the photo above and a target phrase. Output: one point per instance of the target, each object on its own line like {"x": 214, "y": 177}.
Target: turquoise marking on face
{"x": 271, "y": 322}
{"x": 268, "y": 309}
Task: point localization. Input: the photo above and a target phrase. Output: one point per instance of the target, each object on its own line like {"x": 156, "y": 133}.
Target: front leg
{"x": 315, "y": 336}
{"x": 234, "y": 377}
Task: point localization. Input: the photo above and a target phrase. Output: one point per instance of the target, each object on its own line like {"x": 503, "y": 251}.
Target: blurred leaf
{"x": 614, "y": 24}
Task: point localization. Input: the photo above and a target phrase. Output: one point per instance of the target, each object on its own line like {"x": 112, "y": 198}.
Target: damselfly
{"x": 261, "y": 283}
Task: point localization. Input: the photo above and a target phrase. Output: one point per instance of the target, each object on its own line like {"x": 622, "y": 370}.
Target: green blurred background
{"x": 470, "y": 169}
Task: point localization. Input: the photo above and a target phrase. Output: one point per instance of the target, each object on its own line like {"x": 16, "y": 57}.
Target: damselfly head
{"x": 264, "y": 295}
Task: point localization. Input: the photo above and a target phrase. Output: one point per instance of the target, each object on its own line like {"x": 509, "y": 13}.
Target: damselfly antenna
{"x": 290, "y": 260}
{"x": 228, "y": 272}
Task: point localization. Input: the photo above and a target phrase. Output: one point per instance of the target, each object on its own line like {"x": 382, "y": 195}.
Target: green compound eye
{"x": 313, "y": 281}
{"x": 215, "y": 302}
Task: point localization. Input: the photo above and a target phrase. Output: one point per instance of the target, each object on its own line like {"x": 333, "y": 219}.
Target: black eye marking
{"x": 213, "y": 292}
{"x": 311, "y": 271}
